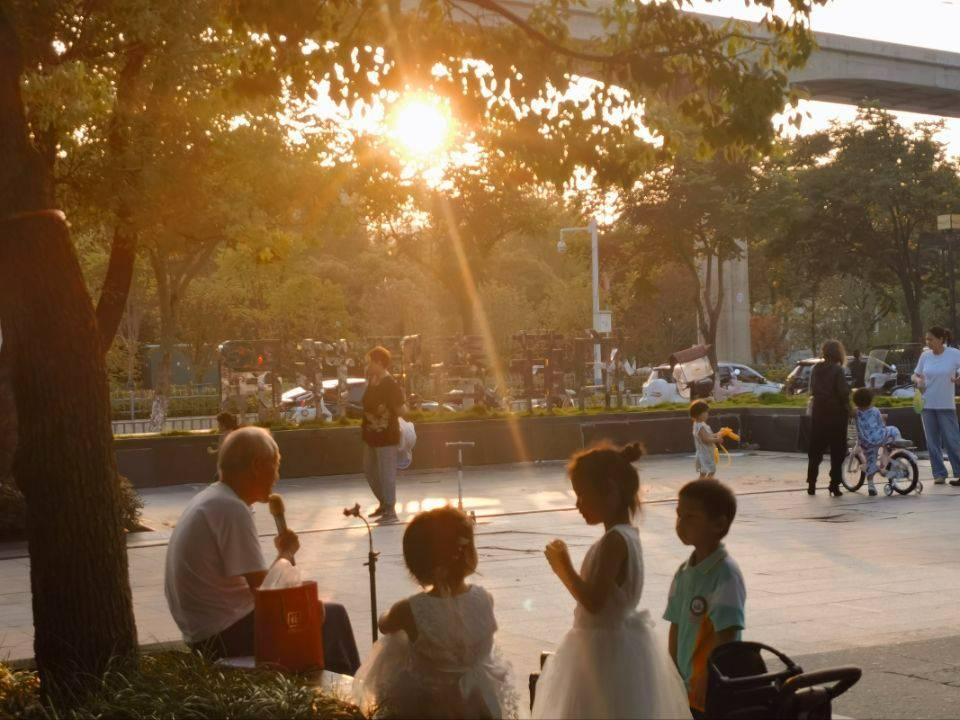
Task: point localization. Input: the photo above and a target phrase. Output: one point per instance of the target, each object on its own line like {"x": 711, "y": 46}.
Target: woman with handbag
{"x": 829, "y": 412}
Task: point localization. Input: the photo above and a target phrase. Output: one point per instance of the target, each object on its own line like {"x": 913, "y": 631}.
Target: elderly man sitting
{"x": 215, "y": 564}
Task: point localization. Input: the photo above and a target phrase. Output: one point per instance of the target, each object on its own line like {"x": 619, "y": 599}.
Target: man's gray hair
{"x": 242, "y": 447}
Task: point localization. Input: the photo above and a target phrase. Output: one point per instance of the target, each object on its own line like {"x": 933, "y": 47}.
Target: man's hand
{"x": 287, "y": 544}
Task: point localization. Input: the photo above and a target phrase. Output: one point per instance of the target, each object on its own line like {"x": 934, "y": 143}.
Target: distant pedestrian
{"x": 936, "y": 376}
{"x": 383, "y": 405}
{"x": 226, "y": 424}
{"x": 829, "y": 415}
{"x": 858, "y": 370}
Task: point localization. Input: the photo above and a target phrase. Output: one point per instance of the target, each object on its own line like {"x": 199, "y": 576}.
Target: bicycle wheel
{"x": 902, "y": 472}
{"x": 854, "y": 473}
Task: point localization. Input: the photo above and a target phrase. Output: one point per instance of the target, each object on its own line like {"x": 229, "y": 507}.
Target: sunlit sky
{"x": 922, "y": 23}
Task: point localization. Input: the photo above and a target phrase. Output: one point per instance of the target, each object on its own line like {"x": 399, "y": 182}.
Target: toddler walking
{"x": 705, "y": 441}
{"x": 436, "y": 659}
{"x": 611, "y": 664}
{"x": 872, "y": 432}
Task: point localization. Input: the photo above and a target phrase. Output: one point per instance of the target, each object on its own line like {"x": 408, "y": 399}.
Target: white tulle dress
{"x": 450, "y": 671}
{"x": 612, "y": 664}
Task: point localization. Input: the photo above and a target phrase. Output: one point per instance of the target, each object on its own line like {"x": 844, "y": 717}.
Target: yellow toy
{"x": 727, "y": 434}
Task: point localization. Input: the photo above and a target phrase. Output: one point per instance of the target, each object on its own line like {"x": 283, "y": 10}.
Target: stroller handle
{"x": 791, "y": 669}
{"x": 838, "y": 679}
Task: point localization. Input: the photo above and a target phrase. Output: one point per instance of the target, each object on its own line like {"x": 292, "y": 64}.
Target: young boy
{"x": 706, "y": 603}
{"x": 872, "y": 432}
{"x": 705, "y": 441}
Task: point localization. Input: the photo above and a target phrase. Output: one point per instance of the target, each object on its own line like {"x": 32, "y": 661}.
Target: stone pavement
{"x": 827, "y": 579}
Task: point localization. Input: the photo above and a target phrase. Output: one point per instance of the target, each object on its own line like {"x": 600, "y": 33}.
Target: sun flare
{"x": 421, "y": 125}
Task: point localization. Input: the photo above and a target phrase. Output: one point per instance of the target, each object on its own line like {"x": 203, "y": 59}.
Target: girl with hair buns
{"x": 437, "y": 657}
{"x": 611, "y": 663}
{"x": 936, "y": 376}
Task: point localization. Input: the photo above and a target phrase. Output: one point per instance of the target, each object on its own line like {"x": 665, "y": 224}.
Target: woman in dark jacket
{"x": 830, "y": 398}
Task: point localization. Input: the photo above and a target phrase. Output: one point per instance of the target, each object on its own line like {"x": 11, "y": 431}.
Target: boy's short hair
{"x": 698, "y": 407}
{"x": 862, "y": 397}
{"x": 716, "y": 499}
{"x": 380, "y": 355}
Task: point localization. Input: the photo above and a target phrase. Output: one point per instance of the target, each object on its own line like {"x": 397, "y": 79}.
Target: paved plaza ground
{"x": 855, "y": 580}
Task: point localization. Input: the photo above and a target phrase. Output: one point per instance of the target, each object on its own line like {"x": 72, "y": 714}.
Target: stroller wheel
{"x": 919, "y": 487}
{"x": 888, "y": 489}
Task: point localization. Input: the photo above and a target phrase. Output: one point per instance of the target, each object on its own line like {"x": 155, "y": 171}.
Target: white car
{"x": 735, "y": 379}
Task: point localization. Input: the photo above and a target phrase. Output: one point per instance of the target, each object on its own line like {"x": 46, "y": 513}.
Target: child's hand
{"x": 559, "y": 557}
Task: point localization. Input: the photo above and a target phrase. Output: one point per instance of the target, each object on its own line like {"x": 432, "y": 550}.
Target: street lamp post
{"x": 595, "y": 280}
{"x": 949, "y": 227}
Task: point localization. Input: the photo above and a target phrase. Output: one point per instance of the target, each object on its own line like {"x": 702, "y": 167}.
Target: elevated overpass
{"x": 842, "y": 69}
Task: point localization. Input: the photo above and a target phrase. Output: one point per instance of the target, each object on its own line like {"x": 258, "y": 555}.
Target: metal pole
{"x": 372, "y": 564}
{"x": 595, "y": 276}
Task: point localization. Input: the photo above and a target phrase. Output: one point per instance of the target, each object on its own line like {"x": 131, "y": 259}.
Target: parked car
{"x": 735, "y": 379}
{"x": 798, "y": 381}
{"x": 434, "y": 406}
{"x": 297, "y": 406}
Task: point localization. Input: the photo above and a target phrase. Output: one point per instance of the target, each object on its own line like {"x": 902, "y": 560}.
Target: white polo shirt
{"x": 214, "y": 544}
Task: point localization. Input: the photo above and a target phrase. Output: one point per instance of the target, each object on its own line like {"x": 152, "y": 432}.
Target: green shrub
{"x": 13, "y": 510}
{"x": 18, "y": 693}
{"x": 178, "y": 685}
{"x": 131, "y": 505}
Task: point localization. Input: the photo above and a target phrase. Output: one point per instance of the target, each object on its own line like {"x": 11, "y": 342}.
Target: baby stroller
{"x": 741, "y": 687}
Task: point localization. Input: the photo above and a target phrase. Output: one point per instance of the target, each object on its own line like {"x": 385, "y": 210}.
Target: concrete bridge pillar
{"x": 733, "y": 333}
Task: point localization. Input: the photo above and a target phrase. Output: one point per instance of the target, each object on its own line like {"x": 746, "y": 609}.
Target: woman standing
{"x": 383, "y": 404}
{"x": 936, "y": 376}
{"x": 830, "y": 398}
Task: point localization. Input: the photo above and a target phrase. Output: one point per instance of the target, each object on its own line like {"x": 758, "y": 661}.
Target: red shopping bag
{"x": 288, "y": 627}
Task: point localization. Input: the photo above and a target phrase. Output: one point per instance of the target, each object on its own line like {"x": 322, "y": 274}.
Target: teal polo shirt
{"x": 704, "y": 599}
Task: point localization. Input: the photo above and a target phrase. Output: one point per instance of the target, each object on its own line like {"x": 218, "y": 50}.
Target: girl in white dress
{"x": 611, "y": 664}
{"x": 437, "y": 659}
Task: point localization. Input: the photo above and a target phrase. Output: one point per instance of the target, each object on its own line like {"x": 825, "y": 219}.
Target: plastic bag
{"x": 917, "y": 401}
{"x": 408, "y": 439}
{"x": 281, "y": 575}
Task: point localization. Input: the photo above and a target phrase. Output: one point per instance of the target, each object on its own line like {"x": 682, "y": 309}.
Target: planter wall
{"x": 159, "y": 461}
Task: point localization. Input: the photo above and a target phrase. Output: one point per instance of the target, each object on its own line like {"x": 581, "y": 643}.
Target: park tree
{"x": 119, "y": 63}
{"x": 863, "y": 193}
{"x": 693, "y": 214}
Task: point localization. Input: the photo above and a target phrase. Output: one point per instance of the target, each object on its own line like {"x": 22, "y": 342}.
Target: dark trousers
{"x": 340, "y": 653}
{"x": 827, "y": 434}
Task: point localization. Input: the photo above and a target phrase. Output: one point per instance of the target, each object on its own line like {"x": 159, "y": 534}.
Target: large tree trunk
{"x": 64, "y": 465}
{"x": 123, "y": 251}
{"x": 116, "y": 284}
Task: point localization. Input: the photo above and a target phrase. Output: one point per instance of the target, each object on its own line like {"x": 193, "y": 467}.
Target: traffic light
{"x": 250, "y": 355}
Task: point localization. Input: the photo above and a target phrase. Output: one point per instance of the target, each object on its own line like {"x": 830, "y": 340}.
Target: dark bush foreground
{"x": 13, "y": 510}
{"x": 178, "y": 685}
